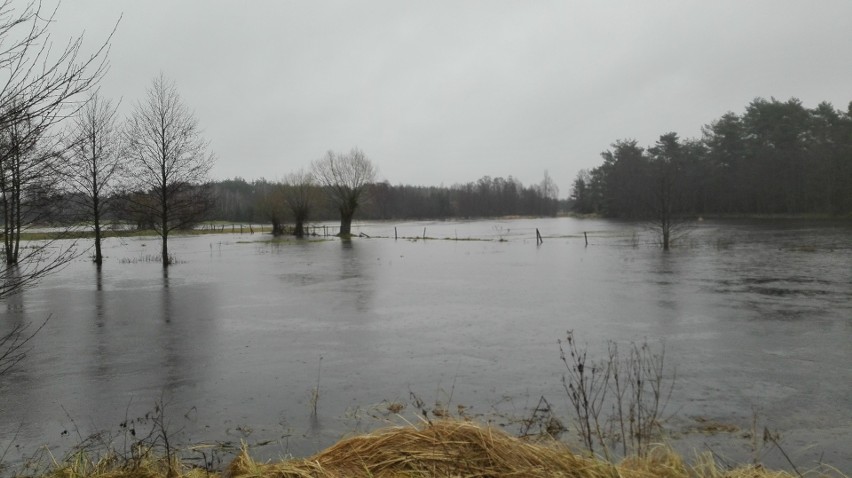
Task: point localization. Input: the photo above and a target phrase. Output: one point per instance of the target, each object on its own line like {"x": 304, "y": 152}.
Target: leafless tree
{"x": 94, "y": 161}
{"x": 548, "y": 187}
{"x": 271, "y": 203}
{"x": 40, "y": 85}
{"x": 345, "y": 178}
{"x": 549, "y": 192}
{"x": 24, "y": 174}
{"x": 300, "y": 195}
{"x": 37, "y": 79}
{"x": 168, "y": 160}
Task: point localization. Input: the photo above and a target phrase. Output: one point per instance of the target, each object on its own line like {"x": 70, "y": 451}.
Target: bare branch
{"x": 40, "y": 85}
{"x": 346, "y": 178}
{"x": 168, "y": 160}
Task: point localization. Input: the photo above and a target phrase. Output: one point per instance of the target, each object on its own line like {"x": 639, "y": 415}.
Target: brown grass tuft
{"x": 453, "y": 448}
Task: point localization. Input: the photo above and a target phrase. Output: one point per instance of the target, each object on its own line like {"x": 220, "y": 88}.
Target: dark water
{"x": 756, "y": 317}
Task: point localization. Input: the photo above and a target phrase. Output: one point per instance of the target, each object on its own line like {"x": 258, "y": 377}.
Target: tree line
{"x": 778, "y": 157}
{"x": 239, "y": 200}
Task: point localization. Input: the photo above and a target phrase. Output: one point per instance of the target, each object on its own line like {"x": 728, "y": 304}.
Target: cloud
{"x": 446, "y": 92}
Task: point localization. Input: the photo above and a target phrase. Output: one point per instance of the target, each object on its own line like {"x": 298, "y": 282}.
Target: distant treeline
{"x": 242, "y": 201}
{"x": 776, "y": 158}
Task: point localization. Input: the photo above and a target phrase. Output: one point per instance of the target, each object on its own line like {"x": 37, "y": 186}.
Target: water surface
{"x": 755, "y": 317}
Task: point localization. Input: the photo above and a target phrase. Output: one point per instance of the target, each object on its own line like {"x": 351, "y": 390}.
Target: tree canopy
{"x": 778, "y": 157}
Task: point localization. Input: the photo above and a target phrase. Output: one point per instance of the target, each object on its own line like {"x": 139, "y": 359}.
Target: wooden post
{"x": 424, "y": 233}
{"x": 538, "y": 239}
{"x": 395, "y": 237}
{"x": 587, "y": 238}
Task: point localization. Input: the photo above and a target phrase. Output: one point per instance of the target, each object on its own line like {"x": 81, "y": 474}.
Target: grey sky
{"x": 440, "y": 92}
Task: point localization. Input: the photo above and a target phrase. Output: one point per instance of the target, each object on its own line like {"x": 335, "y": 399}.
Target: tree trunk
{"x": 345, "y": 223}
{"x": 97, "y": 217}
{"x": 164, "y": 213}
{"x": 98, "y": 257}
{"x": 300, "y": 215}
{"x": 16, "y": 201}
{"x": 164, "y": 232}
{"x": 7, "y": 232}
{"x": 277, "y": 228}
{"x": 165, "y": 251}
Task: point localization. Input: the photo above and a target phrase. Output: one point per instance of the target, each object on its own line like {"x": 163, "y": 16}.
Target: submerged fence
{"x": 323, "y": 230}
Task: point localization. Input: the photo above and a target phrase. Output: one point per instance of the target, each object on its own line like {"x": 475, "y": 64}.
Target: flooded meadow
{"x": 245, "y": 336}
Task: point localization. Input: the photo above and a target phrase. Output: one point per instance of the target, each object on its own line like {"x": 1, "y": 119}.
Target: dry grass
{"x": 452, "y": 448}
{"x": 443, "y": 448}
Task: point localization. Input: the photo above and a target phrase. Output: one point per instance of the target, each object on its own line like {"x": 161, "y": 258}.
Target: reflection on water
{"x": 11, "y": 279}
{"x": 355, "y": 276}
{"x": 234, "y": 332}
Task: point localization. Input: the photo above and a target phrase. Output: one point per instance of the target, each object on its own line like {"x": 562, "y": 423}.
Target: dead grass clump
{"x": 113, "y": 466}
{"x": 464, "y": 449}
{"x": 440, "y": 448}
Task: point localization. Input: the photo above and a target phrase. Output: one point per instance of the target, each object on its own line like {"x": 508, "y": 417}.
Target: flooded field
{"x": 756, "y": 318}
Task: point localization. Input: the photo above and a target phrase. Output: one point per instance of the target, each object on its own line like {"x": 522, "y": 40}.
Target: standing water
{"x": 234, "y": 339}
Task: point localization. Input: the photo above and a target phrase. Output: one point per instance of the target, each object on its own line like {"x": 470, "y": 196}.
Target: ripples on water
{"x": 754, "y": 316}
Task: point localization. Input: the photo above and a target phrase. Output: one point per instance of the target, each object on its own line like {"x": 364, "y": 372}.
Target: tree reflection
{"x": 357, "y": 283}
{"x": 667, "y": 275}
{"x": 12, "y": 276}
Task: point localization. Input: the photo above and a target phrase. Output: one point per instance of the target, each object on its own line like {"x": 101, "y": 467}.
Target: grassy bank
{"x": 440, "y": 448}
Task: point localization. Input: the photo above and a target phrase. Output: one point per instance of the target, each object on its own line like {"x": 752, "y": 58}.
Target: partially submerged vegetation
{"x": 617, "y": 413}
{"x": 455, "y": 448}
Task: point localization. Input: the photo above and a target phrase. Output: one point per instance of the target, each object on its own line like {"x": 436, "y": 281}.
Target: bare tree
{"x": 38, "y": 79}
{"x": 345, "y": 178}
{"x": 40, "y": 85}
{"x": 25, "y": 171}
{"x": 169, "y": 161}
{"x": 94, "y": 161}
{"x": 548, "y": 187}
{"x": 271, "y": 204}
{"x": 300, "y": 195}
{"x": 549, "y": 192}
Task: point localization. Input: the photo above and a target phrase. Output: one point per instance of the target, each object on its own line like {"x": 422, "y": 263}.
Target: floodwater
{"x": 756, "y": 318}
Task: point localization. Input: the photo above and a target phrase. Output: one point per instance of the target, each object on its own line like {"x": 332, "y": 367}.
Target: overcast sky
{"x": 445, "y": 92}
